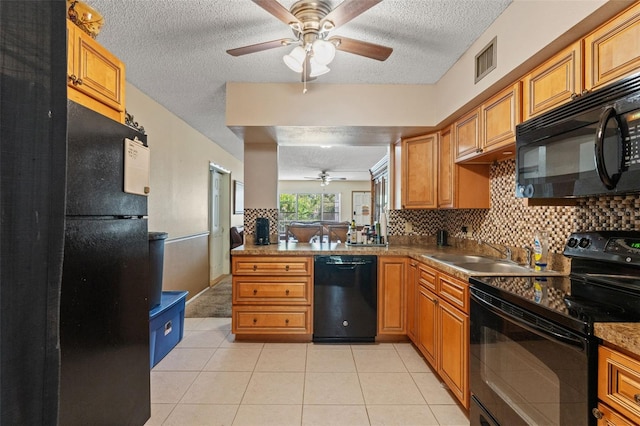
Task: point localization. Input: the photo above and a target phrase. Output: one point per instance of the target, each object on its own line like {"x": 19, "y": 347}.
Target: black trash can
{"x": 156, "y": 264}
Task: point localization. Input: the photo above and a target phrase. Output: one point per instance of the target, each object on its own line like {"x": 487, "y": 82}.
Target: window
{"x": 308, "y": 208}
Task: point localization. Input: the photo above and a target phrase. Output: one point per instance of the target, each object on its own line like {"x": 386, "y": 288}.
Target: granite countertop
{"x": 625, "y": 335}
{"x": 418, "y": 251}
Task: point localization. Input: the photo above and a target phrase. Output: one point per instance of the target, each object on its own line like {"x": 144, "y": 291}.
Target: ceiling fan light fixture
{"x": 295, "y": 59}
{"x": 323, "y": 51}
{"x": 317, "y": 69}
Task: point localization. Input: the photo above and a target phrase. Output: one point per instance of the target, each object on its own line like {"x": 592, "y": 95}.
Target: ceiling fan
{"x": 311, "y": 22}
{"x": 324, "y": 178}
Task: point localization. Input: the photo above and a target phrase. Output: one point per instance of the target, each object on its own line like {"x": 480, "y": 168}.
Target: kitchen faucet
{"x": 506, "y": 253}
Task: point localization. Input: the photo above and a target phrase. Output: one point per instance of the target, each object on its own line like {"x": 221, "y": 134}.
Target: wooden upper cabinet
{"x": 95, "y": 77}
{"x": 500, "y": 115}
{"x": 419, "y": 172}
{"x": 466, "y": 134}
{"x": 445, "y": 170}
{"x": 553, "y": 83}
{"x": 613, "y": 50}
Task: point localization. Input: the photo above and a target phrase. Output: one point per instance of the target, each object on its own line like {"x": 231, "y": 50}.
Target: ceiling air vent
{"x": 486, "y": 60}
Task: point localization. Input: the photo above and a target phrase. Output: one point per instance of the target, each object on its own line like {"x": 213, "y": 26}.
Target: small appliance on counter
{"x": 442, "y": 238}
{"x": 262, "y": 231}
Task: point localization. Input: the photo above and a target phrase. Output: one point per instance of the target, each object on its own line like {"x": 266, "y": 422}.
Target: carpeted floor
{"x": 213, "y": 302}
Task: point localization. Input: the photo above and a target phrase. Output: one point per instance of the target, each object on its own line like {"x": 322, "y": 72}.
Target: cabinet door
{"x": 500, "y": 116}
{"x": 412, "y": 292}
{"x": 419, "y": 171}
{"x": 466, "y": 133}
{"x": 619, "y": 382}
{"x": 445, "y": 170}
{"x": 392, "y": 302}
{"x": 96, "y": 78}
{"x": 428, "y": 328}
{"x": 453, "y": 361}
{"x": 613, "y": 50}
{"x": 552, "y": 83}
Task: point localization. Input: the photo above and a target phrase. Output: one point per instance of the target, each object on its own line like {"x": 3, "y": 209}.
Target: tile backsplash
{"x": 510, "y": 222}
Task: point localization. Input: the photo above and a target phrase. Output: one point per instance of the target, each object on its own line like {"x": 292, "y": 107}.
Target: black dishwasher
{"x": 345, "y": 298}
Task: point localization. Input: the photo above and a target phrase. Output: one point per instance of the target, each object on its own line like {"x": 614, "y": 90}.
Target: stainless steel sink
{"x": 497, "y": 268}
{"x": 460, "y": 258}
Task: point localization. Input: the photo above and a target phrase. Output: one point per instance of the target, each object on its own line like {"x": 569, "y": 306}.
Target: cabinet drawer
{"x": 455, "y": 292}
{"x": 252, "y": 265}
{"x": 427, "y": 277}
{"x": 608, "y": 417}
{"x": 288, "y": 290}
{"x": 619, "y": 382}
{"x": 271, "y": 320}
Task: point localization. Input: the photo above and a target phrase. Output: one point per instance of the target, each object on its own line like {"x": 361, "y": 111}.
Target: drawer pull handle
{"x": 255, "y": 291}
{"x": 255, "y": 320}
{"x": 597, "y": 414}
{"x": 636, "y": 397}
{"x": 287, "y": 292}
{"x": 75, "y": 80}
{"x": 255, "y": 267}
{"x": 286, "y": 268}
{"x": 286, "y": 321}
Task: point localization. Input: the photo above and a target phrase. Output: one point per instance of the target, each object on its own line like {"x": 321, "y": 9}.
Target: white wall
{"x": 312, "y": 187}
{"x": 180, "y": 157}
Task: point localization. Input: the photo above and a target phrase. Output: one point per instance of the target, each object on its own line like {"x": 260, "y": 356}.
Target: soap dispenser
{"x": 541, "y": 250}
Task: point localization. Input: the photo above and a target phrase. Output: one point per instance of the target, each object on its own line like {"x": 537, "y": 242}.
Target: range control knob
{"x": 584, "y": 242}
{"x": 572, "y": 242}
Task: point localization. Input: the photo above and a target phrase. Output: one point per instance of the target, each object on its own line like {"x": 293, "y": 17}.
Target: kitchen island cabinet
{"x": 271, "y": 295}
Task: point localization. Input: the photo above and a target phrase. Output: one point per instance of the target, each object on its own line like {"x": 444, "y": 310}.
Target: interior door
{"x": 217, "y": 229}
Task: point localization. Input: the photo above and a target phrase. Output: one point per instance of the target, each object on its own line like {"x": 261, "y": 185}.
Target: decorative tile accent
{"x": 250, "y": 216}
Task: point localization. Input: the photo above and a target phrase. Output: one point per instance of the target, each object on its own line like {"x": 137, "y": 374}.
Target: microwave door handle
{"x": 609, "y": 181}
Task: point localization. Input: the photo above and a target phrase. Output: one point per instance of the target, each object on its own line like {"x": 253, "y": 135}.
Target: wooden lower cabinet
{"x": 392, "y": 296}
{"x": 442, "y": 334}
{"x": 428, "y": 327}
{"x": 272, "y": 295}
{"x": 618, "y": 387}
{"x": 453, "y": 362}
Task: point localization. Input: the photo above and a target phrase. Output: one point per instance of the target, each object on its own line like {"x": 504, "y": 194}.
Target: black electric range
{"x": 603, "y": 286}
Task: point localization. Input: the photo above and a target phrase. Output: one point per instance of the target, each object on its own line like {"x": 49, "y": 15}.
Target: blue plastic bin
{"x": 166, "y": 324}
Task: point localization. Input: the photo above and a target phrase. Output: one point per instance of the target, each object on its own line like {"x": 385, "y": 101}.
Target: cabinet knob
{"x": 287, "y": 292}
{"x": 255, "y": 320}
{"x": 478, "y": 150}
{"x": 255, "y": 291}
{"x": 435, "y": 301}
{"x": 75, "y": 80}
{"x": 286, "y": 321}
{"x": 636, "y": 398}
{"x": 597, "y": 413}
{"x": 286, "y": 268}
{"x": 255, "y": 267}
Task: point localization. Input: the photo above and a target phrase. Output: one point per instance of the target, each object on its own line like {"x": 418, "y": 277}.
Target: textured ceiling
{"x": 175, "y": 50}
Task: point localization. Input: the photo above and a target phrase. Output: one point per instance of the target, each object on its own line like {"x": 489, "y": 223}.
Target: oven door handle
{"x": 568, "y": 339}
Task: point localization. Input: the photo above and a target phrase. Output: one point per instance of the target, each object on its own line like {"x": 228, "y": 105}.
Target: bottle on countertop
{"x": 540, "y": 250}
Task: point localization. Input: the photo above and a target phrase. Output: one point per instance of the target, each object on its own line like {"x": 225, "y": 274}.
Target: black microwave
{"x": 589, "y": 146}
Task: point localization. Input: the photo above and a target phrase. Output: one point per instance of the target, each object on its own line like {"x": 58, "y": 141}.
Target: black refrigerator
{"x": 104, "y": 308}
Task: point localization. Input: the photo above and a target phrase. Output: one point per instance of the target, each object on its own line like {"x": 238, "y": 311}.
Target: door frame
{"x": 225, "y": 220}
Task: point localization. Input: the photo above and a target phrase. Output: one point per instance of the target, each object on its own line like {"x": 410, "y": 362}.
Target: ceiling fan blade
{"x": 259, "y": 47}
{"x": 362, "y": 48}
{"x": 278, "y": 10}
{"x": 347, "y": 10}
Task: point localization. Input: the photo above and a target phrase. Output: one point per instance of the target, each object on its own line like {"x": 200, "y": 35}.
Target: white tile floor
{"x": 208, "y": 379}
